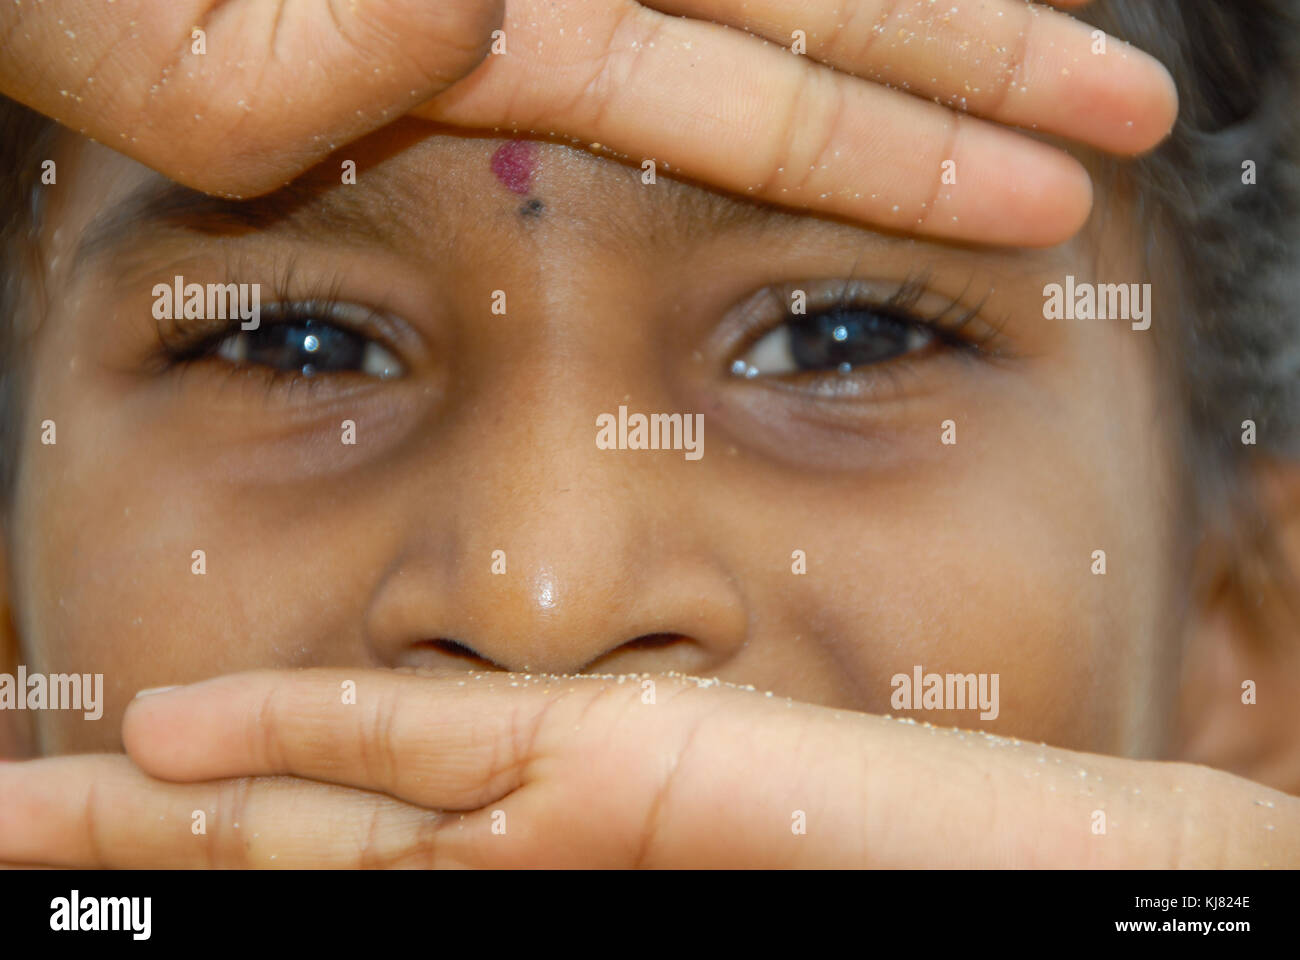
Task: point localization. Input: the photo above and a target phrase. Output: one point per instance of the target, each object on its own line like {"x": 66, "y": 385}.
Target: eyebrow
{"x": 306, "y": 206}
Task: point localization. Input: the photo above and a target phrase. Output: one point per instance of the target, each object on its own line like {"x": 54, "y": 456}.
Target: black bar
{"x": 665, "y": 910}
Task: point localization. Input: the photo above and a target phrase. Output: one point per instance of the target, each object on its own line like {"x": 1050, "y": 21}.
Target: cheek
{"x": 984, "y": 563}
{"x": 989, "y": 576}
{"x": 113, "y": 580}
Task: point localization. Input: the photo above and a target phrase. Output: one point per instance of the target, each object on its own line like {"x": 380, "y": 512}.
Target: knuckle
{"x": 658, "y": 812}
{"x": 1011, "y": 69}
{"x": 225, "y": 846}
{"x": 376, "y": 742}
{"x": 397, "y": 836}
{"x": 947, "y": 151}
{"x": 369, "y": 854}
{"x": 849, "y": 44}
{"x": 805, "y": 134}
{"x": 425, "y": 848}
{"x": 510, "y": 755}
{"x": 93, "y": 819}
{"x": 266, "y": 745}
{"x": 631, "y": 33}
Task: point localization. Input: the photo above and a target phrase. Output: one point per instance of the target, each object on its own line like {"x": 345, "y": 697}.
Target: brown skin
{"x": 974, "y": 557}
{"x": 971, "y": 558}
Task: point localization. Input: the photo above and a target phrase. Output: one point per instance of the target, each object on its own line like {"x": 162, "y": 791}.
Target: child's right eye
{"x": 308, "y": 347}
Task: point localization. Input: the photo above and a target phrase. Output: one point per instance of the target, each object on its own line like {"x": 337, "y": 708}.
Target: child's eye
{"x": 307, "y": 346}
{"x": 839, "y": 339}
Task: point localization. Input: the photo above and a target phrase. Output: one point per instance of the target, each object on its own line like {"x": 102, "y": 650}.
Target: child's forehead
{"x": 408, "y": 182}
{"x": 401, "y": 176}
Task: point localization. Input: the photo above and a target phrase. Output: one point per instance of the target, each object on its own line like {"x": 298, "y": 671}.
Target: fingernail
{"x": 150, "y": 691}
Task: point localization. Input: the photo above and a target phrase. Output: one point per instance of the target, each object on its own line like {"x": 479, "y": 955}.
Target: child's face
{"x": 973, "y": 557}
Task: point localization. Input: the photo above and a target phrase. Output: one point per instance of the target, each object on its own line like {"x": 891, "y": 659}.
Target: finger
{"x": 434, "y": 742}
{"x": 271, "y": 89}
{"x": 566, "y": 771}
{"x": 713, "y": 104}
{"x": 1006, "y": 60}
{"x": 589, "y": 772}
{"x": 103, "y": 812}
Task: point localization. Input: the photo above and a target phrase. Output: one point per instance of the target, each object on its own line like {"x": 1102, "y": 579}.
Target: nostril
{"x": 458, "y": 650}
{"x": 653, "y": 641}
{"x": 646, "y": 653}
{"x": 654, "y": 653}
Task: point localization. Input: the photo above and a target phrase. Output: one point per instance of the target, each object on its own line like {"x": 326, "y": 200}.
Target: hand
{"x": 579, "y": 771}
{"x": 275, "y": 94}
{"x": 275, "y": 89}
{"x": 737, "y": 112}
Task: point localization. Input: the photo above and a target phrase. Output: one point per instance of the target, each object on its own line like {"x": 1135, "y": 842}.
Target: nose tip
{"x": 681, "y": 616}
{"x": 544, "y": 593}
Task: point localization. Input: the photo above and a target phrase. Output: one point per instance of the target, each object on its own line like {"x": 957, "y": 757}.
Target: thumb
{"x": 236, "y": 97}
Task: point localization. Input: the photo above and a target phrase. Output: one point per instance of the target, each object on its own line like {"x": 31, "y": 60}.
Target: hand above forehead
{"x": 823, "y": 108}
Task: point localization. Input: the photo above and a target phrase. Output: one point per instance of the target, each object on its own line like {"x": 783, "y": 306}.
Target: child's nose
{"x": 552, "y": 555}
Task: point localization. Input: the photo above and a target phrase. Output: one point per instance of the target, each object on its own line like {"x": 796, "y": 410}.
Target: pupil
{"x": 831, "y": 339}
{"x": 305, "y": 345}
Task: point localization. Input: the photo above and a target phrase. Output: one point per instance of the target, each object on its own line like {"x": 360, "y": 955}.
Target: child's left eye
{"x": 308, "y": 347}
{"x": 840, "y": 339}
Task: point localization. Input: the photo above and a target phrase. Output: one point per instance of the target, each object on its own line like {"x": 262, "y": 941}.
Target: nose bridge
{"x": 561, "y": 521}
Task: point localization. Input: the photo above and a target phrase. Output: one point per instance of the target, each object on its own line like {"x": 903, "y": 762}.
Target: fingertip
{"x": 1061, "y": 205}
{"x": 1015, "y": 191}
{"x": 1143, "y": 102}
{"x": 1074, "y": 216}
{"x": 1168, "y": 103}
{"x": 153, "y": 735}
{"x": 136, "y": 726}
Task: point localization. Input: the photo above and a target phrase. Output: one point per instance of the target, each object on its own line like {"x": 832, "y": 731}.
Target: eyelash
{"x": 949, "y": 329}
{"x": 185, "y": 342}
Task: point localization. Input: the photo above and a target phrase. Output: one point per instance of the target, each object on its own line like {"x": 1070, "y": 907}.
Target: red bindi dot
{"x": 513, "y": 164}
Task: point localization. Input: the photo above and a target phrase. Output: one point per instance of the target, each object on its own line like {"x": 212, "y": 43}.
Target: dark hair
{"x": 26, "y": 138}
{"x": 1228, "y": 249}
{"x": 1231, "y": 252}
{"x": 1234, "y": 248}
